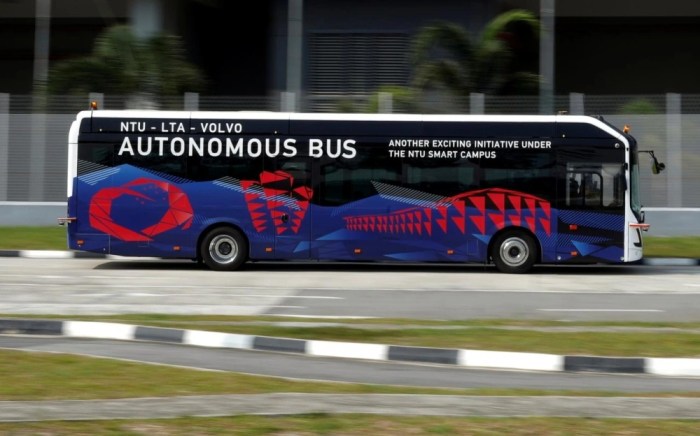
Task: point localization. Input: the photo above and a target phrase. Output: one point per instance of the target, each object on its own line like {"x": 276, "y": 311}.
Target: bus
{"x": 225, "y": 188}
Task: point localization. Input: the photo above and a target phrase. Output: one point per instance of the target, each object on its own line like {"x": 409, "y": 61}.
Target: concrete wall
{"x": 673, "y": 221}
{"x": 20, "y": 213}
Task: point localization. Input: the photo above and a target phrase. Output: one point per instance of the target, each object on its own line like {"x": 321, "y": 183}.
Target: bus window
{"x": 346, "y": 180}
{"x": 164, "y": 163}
{"x": 524, "y": 170}
{"x": 92, "y": 156}
{"x": 595, "y": 185}
{"x": 441, "y": 177}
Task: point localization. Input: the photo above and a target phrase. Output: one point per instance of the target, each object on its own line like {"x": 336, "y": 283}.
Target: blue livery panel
{"x": 434, "y": 189}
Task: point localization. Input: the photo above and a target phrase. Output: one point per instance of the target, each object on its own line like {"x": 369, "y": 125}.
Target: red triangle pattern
{"x": 453, "y": 212}
{"x": 278, "y": 202}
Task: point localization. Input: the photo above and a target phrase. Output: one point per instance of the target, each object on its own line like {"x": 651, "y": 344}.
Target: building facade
{"x": 343, "y": 46}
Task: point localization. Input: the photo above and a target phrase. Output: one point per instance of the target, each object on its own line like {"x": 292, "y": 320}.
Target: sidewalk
{"x": 382, "y": 404}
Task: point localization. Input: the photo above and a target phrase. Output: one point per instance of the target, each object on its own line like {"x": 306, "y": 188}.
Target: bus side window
{"x": 346, "y": 180}
{"x": 595, "y": 186}
{"x": 574, "y": 195}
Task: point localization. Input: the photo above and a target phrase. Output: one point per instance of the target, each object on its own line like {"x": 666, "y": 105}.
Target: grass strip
{"x": 51, "y": 376}
{"x": 359, "y": 425}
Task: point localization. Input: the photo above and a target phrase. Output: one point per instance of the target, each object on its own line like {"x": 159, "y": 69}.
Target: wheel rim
{"x": 514, "y": 252}
{"x": 223, "y": 249}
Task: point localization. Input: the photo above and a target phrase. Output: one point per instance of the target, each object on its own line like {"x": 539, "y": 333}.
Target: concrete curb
{"x": 67, "y": 254}
{"x": 678, "y": 367}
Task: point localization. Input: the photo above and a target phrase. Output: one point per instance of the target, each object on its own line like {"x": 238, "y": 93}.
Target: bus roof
{"x": 537, "y": 122}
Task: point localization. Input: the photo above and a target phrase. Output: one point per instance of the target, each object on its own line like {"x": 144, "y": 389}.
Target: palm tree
{"x": 504, "y": 61}
{"x": 123, "y": 64}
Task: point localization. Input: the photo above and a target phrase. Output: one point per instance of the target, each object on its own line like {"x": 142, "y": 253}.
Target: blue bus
{"x": 225, "y": 188}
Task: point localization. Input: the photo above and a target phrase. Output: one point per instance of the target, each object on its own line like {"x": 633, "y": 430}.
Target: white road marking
{"x": 287, "y": 315}
{"x": 601, "y": 310}
{"x": 147, "y": 294}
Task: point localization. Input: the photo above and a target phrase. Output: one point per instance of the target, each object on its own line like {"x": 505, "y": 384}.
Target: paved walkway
{"x": 383, "y": 404}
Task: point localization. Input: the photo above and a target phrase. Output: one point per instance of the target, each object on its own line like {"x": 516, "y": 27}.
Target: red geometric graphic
{"x": 274, "y": 199}
{"x": 468, "y": 212}
{"x": 179, "y": 213}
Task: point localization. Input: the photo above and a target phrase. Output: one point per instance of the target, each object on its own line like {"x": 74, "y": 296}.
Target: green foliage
{"x": 504, "y": 61}
{"x": 348, "y": 106}
{"x": 639, "y": 106}
{"x": 121, "y": 63}
{"x": 403, "y": 99}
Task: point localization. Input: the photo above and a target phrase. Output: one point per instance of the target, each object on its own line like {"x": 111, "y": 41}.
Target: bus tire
{"x": 224, "y": 249}
{"x": 514, "y": 252}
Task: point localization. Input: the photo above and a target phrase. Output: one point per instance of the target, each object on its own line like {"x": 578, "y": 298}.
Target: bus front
{"x": 634, "y": 240}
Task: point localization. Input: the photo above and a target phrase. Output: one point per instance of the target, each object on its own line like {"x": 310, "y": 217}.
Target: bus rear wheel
{"x": 224, "y": 249}
{"x": 514, "y": 252}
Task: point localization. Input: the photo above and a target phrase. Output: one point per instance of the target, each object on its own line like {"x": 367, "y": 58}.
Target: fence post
{"x": 674, "y": 160}
{"x": 476, "y": 103}
{"x": 4, "y": 144}
{"x": 576, "y": 105}
{"x": 288, "y": 101}
{"x": 191, "y": 101}
{"x": 37, "y": 149}
{"x": 385, "y": 103}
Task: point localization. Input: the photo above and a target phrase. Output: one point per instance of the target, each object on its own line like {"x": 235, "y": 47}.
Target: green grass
{"x": 685, "y": 246}
{"x": 49, "y": 376}
{"x": 54, "y": 238}
{"x": 360, "y": 425}
{"x": 33, "y": 238}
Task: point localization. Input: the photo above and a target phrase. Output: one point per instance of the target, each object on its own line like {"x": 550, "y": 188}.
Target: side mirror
{"x": 656, "y": 166}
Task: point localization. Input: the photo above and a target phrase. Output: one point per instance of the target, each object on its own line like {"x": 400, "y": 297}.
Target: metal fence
{"x": 34, "y": 131}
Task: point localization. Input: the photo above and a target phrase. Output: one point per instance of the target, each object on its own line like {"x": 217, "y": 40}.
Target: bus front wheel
{"x": 514, "y": 252}
{"x": 224, "y": 249}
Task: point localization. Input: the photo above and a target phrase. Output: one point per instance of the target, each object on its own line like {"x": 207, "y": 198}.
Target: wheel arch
{"x": 515, "y": 229}
{"x": 221, "y": 224}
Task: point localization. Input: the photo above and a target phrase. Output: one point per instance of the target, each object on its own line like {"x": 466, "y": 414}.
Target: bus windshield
{"x": 635, "y": 202}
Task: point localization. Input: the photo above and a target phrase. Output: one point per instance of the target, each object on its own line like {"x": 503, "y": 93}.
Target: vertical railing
{"x": 37, "y": 153}
{"x": 31, "y": 132}
{"x": 4, "y": 144}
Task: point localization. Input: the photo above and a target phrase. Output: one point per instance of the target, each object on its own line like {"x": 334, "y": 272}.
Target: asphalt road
{"x": 89, "y": 286}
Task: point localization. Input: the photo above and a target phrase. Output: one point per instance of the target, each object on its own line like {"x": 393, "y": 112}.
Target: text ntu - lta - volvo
{"x": 229, "y": 187}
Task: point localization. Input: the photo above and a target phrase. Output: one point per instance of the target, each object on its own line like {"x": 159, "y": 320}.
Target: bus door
{"x": 353, "y": 220}
{"x": 290, "y": 193}
{"x": 591, "y": 211}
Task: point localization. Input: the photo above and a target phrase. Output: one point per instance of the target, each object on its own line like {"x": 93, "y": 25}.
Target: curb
{"x": 67, "y": 254}
{"x": 677, "y": 367}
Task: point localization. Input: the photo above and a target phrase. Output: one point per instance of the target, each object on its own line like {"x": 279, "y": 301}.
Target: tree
{"x": 123, "y": 64}
{"x": 504, "y": 61}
